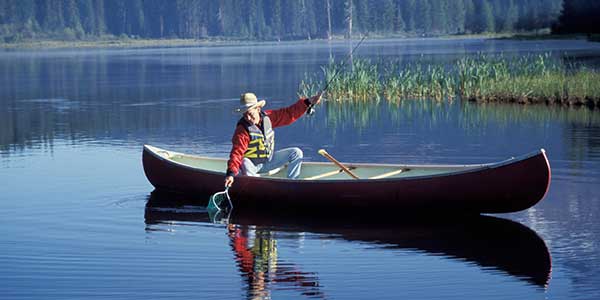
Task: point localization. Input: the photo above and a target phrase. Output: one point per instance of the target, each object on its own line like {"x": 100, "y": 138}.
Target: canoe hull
{"x": 501, "y": 188}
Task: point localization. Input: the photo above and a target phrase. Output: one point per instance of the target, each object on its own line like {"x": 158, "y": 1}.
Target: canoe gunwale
{"x": 466, "y": 168}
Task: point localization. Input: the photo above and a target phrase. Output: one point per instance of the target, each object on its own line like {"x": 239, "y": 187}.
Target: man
{"x": 254, "y": 139}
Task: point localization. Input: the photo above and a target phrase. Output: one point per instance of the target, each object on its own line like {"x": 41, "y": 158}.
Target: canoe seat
{"x": 164, "y": 154}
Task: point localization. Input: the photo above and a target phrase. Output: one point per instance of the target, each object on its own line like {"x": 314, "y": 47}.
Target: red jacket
{"x": 241, "y": 138}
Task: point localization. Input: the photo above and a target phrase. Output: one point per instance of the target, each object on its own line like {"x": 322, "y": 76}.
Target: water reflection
{"x": 490, "y": 243}
{"x": 83, "y": 95}
{"x": 256, "y": 254}
{"x": 362, "y": 114}
{"x": 584, "y": 142}
{"x": 35, "y": 121}
{"x": 170, "y": 95}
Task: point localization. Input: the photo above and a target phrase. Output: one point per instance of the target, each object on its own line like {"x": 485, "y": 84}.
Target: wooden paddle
{"x": 339, "y": 164}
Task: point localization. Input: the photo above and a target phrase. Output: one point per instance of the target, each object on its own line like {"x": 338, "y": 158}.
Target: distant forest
{"x": 275, "y": 19}
{"x": 579, "y": 16}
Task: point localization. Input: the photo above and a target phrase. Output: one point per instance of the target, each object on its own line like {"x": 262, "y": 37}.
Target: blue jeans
{"x": 291, "y": 156}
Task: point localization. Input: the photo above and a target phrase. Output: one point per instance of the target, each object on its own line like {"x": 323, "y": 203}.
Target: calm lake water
{"x": 78, "y": 218}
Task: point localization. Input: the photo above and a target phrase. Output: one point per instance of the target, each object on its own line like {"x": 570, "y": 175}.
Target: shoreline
{"x": 114, "y": 44}
{"x": 590, "y": 102}
{"x": 127, "y": 43}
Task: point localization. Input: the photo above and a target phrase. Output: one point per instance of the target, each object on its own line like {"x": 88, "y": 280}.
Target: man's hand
{"x": 228, "y": 181}
{"x": 314, "y": 100}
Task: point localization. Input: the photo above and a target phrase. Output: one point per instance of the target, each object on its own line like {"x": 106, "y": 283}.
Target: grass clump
{"x": 481, "y": 78}
{"x": 360, "y": 82}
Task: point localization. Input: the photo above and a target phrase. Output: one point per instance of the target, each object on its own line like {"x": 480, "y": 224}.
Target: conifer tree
{"x": 487, "y": 21}
{"x": 276, "y": 22}
{"x": 399, "y": 24}
{"x": 423, "y": 13}
{"x": 409, "y": 9}
{"x": 439, "y": 22}
{"x": 456, "y": 16}
{"x": 348, "y": 10}
{"x": 511, "y": 17}
{"x": 72, "y": 24}
{"x": 388, "y": 16}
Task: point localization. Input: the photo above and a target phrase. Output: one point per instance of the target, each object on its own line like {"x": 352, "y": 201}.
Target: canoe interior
{"x": 316, "y": 170}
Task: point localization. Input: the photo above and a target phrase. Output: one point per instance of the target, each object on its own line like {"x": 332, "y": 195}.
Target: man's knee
{"x": 248, "y": 168}
{"x": 296, "y": 153}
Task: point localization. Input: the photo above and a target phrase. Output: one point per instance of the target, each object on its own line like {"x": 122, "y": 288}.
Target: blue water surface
{"x": 78, "y": 219}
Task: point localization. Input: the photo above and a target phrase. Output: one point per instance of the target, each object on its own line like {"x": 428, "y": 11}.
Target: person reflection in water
{"x": 257, "y": 259}
{"x": 253, "y": 149}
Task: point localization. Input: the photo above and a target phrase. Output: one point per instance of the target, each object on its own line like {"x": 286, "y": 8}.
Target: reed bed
{"x": 481, "y": 78}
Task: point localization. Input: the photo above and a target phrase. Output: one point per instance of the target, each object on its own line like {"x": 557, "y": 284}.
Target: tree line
{"x": 267, "y": 19}
{"x": 579, "y": 16}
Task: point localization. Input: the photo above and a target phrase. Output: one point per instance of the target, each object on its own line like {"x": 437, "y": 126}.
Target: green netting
{"x": 219, "y": 201}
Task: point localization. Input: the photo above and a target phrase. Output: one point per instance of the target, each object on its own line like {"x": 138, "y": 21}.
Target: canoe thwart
{"x": 327, "y": 174}
{"x": 388, "y": 174}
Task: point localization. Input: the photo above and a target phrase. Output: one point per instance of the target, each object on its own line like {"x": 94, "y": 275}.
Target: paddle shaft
{"x": 310, "y": 109}
{"x": 339, "y": 164}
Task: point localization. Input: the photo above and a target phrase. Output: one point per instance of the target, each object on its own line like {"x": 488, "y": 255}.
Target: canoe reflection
{"x": 489, "y": 242}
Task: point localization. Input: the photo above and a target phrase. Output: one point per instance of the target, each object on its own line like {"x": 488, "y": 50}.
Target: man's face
{"x": 253, "y": 115}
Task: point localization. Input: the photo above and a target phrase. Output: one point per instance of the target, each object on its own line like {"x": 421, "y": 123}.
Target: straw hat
{"x": 249, "y": 101}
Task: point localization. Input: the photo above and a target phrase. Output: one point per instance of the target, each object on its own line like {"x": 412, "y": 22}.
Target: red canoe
{"x": 508, "y": 186}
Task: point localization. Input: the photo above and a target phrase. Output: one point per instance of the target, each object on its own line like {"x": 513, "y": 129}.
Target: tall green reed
{"x": 482, "y": 77}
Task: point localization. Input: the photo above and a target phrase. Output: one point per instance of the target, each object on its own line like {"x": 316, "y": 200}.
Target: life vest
{"x": 262, "y": 142}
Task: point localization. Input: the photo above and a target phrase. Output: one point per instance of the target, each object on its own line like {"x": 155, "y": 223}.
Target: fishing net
{"x": 219, "y": 216}
{"x": 219, "y": 201}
